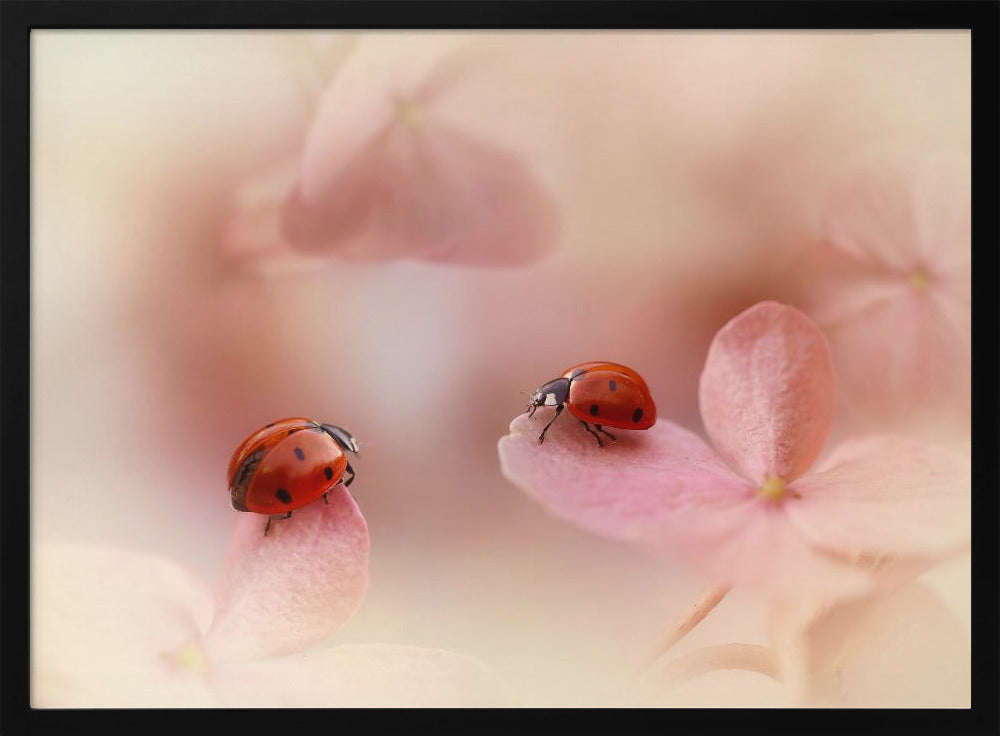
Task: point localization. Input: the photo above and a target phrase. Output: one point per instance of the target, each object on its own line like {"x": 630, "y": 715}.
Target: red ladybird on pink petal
{"x": 600, "y": 393}
{"x": 288, "y": 464}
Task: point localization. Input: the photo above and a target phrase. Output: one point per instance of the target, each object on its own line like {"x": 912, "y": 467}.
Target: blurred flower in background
{"x": 119, "y": 629}
{"x": 394, "y": 166}
{"x": 891, "y": 284}
{"x": 646, "y": 187}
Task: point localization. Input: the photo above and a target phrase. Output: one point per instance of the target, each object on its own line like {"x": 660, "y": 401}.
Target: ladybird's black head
{"x": 342, "y": 437}
{"x": 552, "y": 393}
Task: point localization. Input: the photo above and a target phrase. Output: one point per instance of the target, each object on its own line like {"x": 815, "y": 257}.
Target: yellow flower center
{"x": 409, "y": 112}
{"x": 188, "y": 656}
{"x": 919, "y": 279}
{"x": 772, "y": 488}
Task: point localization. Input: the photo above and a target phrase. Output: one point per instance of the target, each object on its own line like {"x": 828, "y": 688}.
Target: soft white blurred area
{"x": 683, "y": 164}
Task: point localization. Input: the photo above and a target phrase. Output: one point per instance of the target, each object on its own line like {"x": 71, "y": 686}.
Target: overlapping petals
{"x": 763, "y": 518}
{"x": 900, "y": 648}
{"x": 388, "y": 171}
{"x": 293, "y": 588}
{"x": 120, "y": 629}
{"x": 890, "y": 283}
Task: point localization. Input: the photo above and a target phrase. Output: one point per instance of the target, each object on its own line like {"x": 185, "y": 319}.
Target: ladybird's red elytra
{"x": 598, "y": 393}
{"x": 288, "y": 464}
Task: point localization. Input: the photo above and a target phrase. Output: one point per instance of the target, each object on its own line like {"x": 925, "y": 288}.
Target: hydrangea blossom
{"x": 890, "y": 284}
{"x": 394, "y": 167}
{"x": 756, "y": 508}
{"x": 121, "y": 629}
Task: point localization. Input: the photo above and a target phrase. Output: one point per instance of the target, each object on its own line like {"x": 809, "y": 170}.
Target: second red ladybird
{"x": 288, "y": 464}
{"x": 600, "y": 393}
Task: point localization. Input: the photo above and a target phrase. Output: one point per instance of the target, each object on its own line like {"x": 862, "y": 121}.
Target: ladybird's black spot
{"x": 329, "y": 472}
{"x": 612, "y": 385}
{"x": 283, "y": 495}
{"x": 299, "y": 454}
{"x": 594, "y": 408}
{"x": 637, "y": 415}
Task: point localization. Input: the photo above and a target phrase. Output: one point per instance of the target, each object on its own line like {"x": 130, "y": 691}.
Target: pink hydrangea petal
{"x": 752, "y": 543}
{"x": 427, "y": 191}
{"x": 294, "y": 588}
{"x": 629, "y": 490}
{"x": 941, "y": 192}
{"x": 360, "y": 676}
{"x": 767, "y": 392}
{"x": 252, "y": 237}
{"x": 909, "y": 362}
{"x": 871, "y": 217}
{"x": 105, "y": 626}
{"x": 900, "y": 648}
{"x": 381, "y": 72}
{"x": 384, "y": 176}
{"x": 903, "y": 212}
{"x": 887, "y": 495}
{"x": 665, "y": 489}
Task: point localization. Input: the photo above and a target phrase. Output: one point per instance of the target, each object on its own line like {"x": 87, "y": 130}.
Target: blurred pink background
{"x": 689, "y": 171}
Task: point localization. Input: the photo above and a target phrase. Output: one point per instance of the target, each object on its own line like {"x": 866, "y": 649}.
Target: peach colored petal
{"x": 767, "y": 392}
{"x": 887, "y": 495}
{"x": 360, "y": 676}
{"x": 106, "y": 624}
{"x": 629, "y": 490}
{"x": 901, "y": 648}
{"x": 292, "y": 589}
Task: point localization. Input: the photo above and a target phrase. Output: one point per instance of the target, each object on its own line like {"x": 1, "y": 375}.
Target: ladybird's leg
{"x": 596, "y": 436}
{"x": 541, "y": 437}
{"x": 350, "y": 480}
{"x": 603, "y": 431}
{"x": 270, "y": 518}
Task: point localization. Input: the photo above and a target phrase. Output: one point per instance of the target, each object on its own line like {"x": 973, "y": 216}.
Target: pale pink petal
{"x": 904, "y": 211}
{"x": 107, "y": 627}
{"x": 767, "y": 392}
{"x": 762, "y": 549}
{"x": 887, "y": 495}
{"x": 629, "y": 490}
{"x": 900, "y": 649}
{"x": 871, "y": 217}
{"x": 384, "y": 176}
{"x": 295, "y": 587}
{"x": 908, "y": 363}
{"x": 665, "y": 489}
{"x": 941, "y": 192}
{"x": 252, "y": 236}
{"x": 891, "y": 286}
{"x": 360, "y": 676}
{"x": 425, "y": 190}
{"x": 381, "y": 73}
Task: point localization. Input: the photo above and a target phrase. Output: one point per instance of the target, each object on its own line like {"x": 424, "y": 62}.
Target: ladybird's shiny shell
{"x": 285, "y": 466}
{"x": 610, "y": 394}
{"x": 265, "y": 438}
